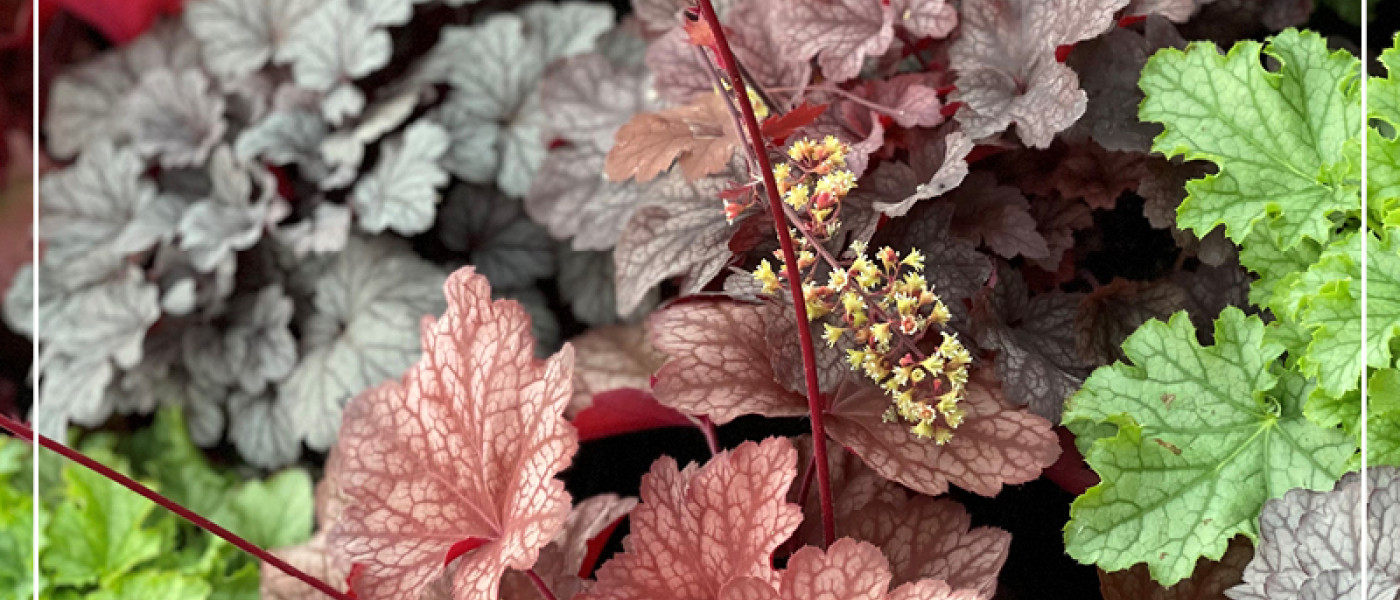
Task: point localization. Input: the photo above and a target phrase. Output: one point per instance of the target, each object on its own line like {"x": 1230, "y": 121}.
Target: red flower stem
{"x": 24, "y": 433}
{"x": 815, "y": 406}
{"x": 540, "y": 585}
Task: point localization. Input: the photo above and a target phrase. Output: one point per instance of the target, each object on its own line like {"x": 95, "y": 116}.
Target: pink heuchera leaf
{"x": 680, "y": 69}
{"x": 933, "y": 538}
{"x": 698, "y": 529}
{"x": 561, "y": 561}
{"x": 922, "y": 537}
{"x": 717, "y": 349}
{"x": 610, "y": 358}
{"x": 925, "y": 18}
{"x": 465, "y": 447}
{"x": 840, "y": 33}
{"x": 848, "y": 570}
{"x": 1005, "y": 57}
{"x": 719, "y": 365}
{"x": 994, "y": 446}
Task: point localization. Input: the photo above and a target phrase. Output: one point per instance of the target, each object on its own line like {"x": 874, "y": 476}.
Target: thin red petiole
{"x": 707, "y": 428}
{"x": 815, "y": 406}
{"x": 25, "y": 433}
{"x": 540, "y": 585}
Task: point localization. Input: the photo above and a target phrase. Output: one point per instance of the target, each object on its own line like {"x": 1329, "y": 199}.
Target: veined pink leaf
{"x": 933, "y": 538}
{"x": 849, "y": 570}
{"x": 465, "y": 447}
{"x": 717, "y": 350}
{"x": 701, "y": 528}
{"x": 561, "y": 561}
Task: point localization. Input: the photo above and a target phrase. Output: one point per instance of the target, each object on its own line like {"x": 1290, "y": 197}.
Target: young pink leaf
{"x": 699, "y": 529}
{"x": 610, "y": 358}
{"x": 463, "y": 450}
{"x": 719, "y": 363}
{"x": 1007, "y": 67}
{"x": 840, "y": 33}
{"x": 848, "y": 570}
{"x": 622, "y": 411}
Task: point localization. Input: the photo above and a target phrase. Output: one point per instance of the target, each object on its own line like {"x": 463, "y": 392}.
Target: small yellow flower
{"x": 832, "y": 334}
{"x": 880, "y": 332}
{"x": 797, "y": 197}
{"x": 942, "y": 436}
{"x": 760, "y": 109}
{"x": 855, "y": 358}
{"x": 923, "y": 429}
{"x": 764, "y": 274}
{"x": 915, "y": 259}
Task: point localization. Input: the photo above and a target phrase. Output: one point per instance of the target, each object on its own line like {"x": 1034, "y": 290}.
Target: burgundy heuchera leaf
{"x": 463, "y": 450}
{"x": 701, "y": 528}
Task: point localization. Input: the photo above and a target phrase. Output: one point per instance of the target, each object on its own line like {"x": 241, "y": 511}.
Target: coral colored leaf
{"x": 1190, "y": 441}
{"x": 781, "y": 126}
{"x": 1005, "y": 57}
{"x": 932, "y": 538}
{"x": 848, "y": 570}
{"x": 1209, "y": 579}
{"x": 700, "y": 136}
{"x": 466, "y": 445}
{"x": 610, "y": 358}
{"x": 699, "y": 529}
{"x": 719, "y": 361}
{"x": 839, "y": 33}
{"x": 622, "y": 411}
{"x": 1283, "y": 155}
{"x": 562, "y": 561}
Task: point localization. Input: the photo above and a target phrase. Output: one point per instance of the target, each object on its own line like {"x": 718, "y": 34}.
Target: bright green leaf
{"x": 1383, "y": 418}
{"x": 1205, "y": 436}
{"x": 1283, "y": 140}
{"x": 99, "y": 531}
{"x": 149, "y": 585}
{"x": 1382, "y": 296}
{"x": 164, "y": 452}
{"x": 272, "y": 513}
{"x": 16, "y": 540}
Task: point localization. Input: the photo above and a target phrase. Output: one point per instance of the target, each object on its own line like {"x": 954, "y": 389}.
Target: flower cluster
{"x": 814, "y": 181}
{"x": 885, "y": 306}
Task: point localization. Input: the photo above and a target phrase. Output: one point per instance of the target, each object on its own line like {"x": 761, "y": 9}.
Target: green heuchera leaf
{"x": 100, "y": 531}
{"x": 272, "y": 513}
{"x": 16, "y": 523}
{"x": 164, "y": 452}
{"x": 1383, "y": 147}
{"x": 147, "y": 585}
{"x": 1284, "y": 141}
{"x": 1382, "y": 296}
{"x": 1383, "y": 418}
{"x": 1204, "y": 436}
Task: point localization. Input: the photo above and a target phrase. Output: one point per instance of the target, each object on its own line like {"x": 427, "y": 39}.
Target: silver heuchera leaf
{"x": 573, "y": 198}
{"x": 259, "y": 339}
{"x": 401, "y": 194}
{"x": 1310, "y": 543}
{"x": 503, "y": 244}
{"x": 567, "y": 28}
{"x": 285, "y": 138}
{"x": 90, "y": 213}
{"x": 363, "y": 329}
{"x": 84, "y": 101}
{"x": 495, "y": 104}
{"x": 240, "y": 36}
{"x": 175, "y": 116}
{"x": 586, "y": 284}
{"x": 325, "y": 230}
{"x": 108, "y": 319}
{"x": 344, "y": 150}
{"x": 331, "y": 46}
{"x": 263, "y": 434}
{"x": 386, "y": 12}
{"x": 72, "y": 390}
{"x": 231, "y": 218}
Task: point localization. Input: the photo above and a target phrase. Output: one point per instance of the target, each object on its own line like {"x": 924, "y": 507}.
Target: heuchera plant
{"x": 893, "y": 220}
